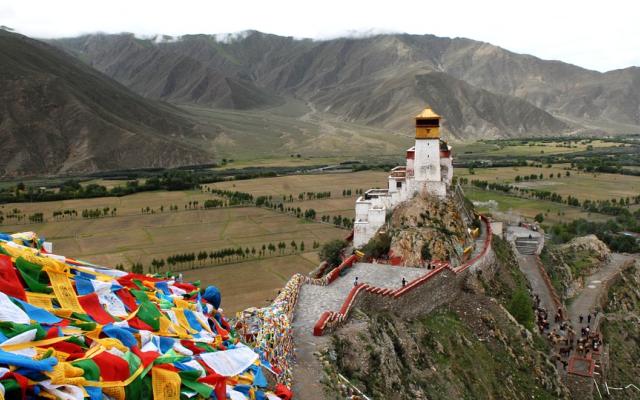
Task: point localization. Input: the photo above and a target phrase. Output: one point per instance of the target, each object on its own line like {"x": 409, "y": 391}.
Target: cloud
{"x": 591, "y": 34}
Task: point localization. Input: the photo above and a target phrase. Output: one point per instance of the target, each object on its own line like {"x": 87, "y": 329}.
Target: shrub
{"x": 378, "y": 246}
{"x": 425, "y": 252}
{"x": 520, "y": 307}
{"x": 332, "y": 250}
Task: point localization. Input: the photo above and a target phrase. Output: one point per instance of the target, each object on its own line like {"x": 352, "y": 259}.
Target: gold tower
{"x": 427, "y": 125}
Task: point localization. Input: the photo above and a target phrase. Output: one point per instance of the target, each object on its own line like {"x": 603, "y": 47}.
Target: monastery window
{"x": 427, "y": 123}
{"x": 398, "y": 185}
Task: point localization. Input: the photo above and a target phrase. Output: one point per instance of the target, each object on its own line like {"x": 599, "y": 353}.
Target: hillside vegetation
{"x": 457, "y": 351}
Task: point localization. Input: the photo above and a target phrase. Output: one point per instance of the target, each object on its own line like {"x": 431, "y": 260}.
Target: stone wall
{"x": 422, "y": 295}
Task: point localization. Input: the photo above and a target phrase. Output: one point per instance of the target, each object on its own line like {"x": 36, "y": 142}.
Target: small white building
{"x": 429, "y": 170}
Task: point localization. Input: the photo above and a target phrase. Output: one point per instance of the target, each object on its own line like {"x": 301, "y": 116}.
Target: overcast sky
{"x": 600, "y": 35}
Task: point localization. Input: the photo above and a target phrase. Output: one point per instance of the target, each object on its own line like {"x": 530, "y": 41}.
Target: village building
{"x": 428, "y": 171}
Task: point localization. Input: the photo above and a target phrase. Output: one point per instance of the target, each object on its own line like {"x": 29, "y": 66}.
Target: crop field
{"x": 126, "y": 205}
{"x": 532, "y": 148}
{"x": 133, "y": 236}
{"x": 142, "y": 237}
{"x": 252, "y": 283}
{"x": 583, "y": 185}
{"x": 496, "y": 202}
{"x": 295, "y": 184}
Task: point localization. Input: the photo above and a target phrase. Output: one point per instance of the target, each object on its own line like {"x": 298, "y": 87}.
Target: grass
{"x": 583, "y": 185}
{"x": 529, "y": 208}
{"x": 477, "y": 368}
{"x": 533, "y": 148}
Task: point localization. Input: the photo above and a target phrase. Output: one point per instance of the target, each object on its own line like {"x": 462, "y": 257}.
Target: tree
{"x": 378, "y": 246}
{"x": 425, "y": 252}
{"x": 332, "y": 251}
{"x": 520, "y": 306}
{"x": 539, "y": 218}
{"x": 137, "y": 268}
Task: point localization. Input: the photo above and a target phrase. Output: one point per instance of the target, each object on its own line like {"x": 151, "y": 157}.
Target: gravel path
{"x": 529, "y": 267}
{"x": 586, "y": 300}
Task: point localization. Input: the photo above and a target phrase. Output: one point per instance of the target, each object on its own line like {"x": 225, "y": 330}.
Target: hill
{"x": 57, "y": 115}
{"x": 484, "y": 90}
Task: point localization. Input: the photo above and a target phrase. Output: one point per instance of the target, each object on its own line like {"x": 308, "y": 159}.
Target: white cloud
{"x": 597, "y": 35}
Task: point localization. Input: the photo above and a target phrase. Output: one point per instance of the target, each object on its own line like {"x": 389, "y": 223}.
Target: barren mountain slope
{"x": 57, "y": 115}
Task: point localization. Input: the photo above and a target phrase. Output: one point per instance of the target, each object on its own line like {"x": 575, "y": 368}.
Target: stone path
{"x": 314, "y": 300}
{"x": 529, "y": 267}
{"x": 585, "y": 301}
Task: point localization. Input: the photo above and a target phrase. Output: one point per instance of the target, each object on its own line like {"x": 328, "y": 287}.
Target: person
{"x": 404, "y": 282}
{"x": 589, "y": 319}
{"x": 180, "y": 277}
{"x": 581, "y": 318}
{"x": 355, "y": 282}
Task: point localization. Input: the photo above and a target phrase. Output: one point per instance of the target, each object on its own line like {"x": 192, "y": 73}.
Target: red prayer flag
{"x": 112, "y": 368}
{"x": 9, "y": 281}
{"x": 92, "y": 306}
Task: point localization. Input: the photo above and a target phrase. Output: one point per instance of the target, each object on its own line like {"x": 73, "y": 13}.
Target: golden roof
{"x": 427, "y": 113}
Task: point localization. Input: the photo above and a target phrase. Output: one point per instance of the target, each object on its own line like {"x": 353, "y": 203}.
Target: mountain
{"x": 377, "y": 80}
{"x": 481, "y": 89}
{"x": 57, "y": 115}
{"x": 190, "y": 73}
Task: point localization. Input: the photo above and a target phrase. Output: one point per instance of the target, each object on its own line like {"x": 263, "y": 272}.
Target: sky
{"x": 599, "y": 35}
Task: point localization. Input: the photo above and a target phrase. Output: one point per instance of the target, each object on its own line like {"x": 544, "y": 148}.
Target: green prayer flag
{"x": 33, "y": 276}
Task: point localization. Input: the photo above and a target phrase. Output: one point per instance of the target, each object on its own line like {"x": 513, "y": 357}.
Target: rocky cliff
{"x": 569, "y": 263}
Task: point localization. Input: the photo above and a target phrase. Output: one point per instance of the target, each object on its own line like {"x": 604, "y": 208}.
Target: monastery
{"x": 428, "y": 170}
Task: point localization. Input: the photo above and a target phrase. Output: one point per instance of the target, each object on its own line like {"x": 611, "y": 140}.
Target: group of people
{"x": 563, "y": 336}
{"x": 542, "y": 317}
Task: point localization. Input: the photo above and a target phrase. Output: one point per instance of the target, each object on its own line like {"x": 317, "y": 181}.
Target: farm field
{"x": 140, "y": 238}
{"x": 508, "y": 174}
{"x": 131, "y": 236}
{"x": 533, "y": 148}
{"x": 126, "y": 205}
{"x": 583, "y": 185}
{"x": 294, "y": 184}
{"x": 252, "y": 283}
{"x": 529, "y": 208}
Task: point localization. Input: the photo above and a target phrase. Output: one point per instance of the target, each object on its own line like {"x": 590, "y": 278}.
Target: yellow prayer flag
{"x": 166, "y": 384}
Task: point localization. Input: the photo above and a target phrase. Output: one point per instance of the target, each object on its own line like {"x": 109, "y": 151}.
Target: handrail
{"x": 330, "y": 319}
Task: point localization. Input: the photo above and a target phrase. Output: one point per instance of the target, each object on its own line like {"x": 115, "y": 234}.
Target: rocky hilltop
{"x": 426, "y": 228}
{"x": 570, "y": 263}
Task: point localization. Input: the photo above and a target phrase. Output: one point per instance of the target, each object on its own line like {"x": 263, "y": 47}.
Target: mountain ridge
{"x": 322, "y": 71}
{"x": 59, "y": 116}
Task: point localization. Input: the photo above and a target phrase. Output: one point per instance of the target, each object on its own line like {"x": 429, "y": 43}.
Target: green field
{"x": 533, "y": 148}
{"x": 507, "y": 205}
{"x": 583, "y": 185}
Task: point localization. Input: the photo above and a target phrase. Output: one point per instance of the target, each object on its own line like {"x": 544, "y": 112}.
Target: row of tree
{"x": 226, "y": 255}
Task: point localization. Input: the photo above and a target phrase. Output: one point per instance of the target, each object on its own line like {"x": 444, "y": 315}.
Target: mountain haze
{"x": 57, "y": 115}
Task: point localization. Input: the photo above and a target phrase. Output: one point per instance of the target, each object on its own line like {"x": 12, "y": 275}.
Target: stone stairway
{"x": 527, "y": 246}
